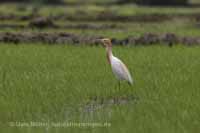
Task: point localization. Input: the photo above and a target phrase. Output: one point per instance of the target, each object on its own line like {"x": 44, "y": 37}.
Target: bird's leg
{"x": 119, "y": 85}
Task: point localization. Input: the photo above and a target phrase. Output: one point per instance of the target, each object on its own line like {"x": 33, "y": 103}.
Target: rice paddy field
{"x": 69, "y": 86}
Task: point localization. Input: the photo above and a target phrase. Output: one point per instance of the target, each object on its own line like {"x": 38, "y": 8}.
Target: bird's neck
{"x": 109, "y": 53}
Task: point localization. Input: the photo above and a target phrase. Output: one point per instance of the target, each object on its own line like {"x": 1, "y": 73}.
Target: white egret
{"x": 119, "y": 69}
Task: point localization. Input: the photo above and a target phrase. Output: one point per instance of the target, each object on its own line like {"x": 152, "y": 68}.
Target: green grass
{"x": 92, "y": 10}
{"x": 43, "y": 83}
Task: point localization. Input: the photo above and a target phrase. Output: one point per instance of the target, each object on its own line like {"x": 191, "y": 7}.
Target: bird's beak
{"x": 100, "y": 41}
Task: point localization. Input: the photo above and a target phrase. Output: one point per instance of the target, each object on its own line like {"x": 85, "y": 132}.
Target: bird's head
{"x": 106, "y": 42}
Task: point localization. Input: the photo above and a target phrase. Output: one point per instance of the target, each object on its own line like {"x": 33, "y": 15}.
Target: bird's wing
{"x": 120, "y": 70}
{"x": 128, "y": 75}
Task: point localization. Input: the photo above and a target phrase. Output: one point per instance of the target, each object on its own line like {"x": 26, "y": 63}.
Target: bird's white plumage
{"x": 120, "y": 70}
{"x": 118, "y": 67}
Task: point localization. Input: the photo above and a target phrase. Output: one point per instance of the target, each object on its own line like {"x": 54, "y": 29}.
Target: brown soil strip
{"x": 73, "y": 39}
{"x": 43, "y": 22}
{"x": 104, "y": 16}
{"x": 66, "y": 26}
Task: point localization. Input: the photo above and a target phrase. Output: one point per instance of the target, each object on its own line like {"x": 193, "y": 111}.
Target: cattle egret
{"x": 119, "y": 69}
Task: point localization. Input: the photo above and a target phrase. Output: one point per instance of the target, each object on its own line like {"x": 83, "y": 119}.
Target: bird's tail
{"x": 130, "y": 81}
